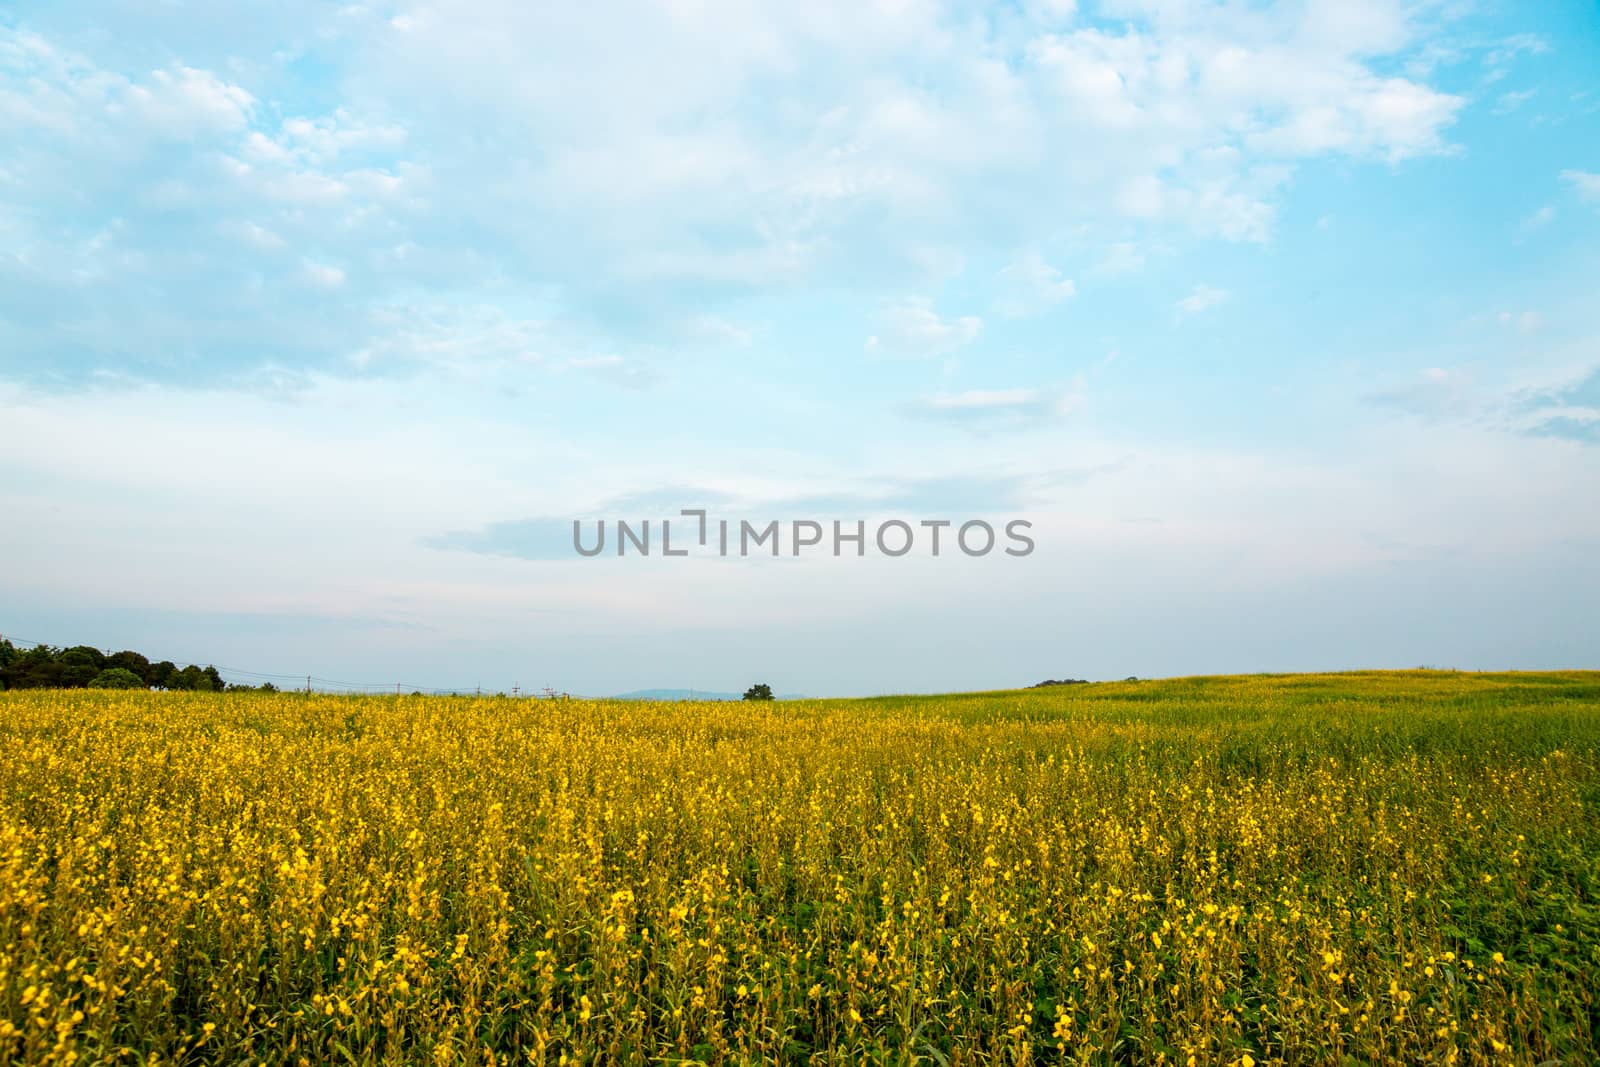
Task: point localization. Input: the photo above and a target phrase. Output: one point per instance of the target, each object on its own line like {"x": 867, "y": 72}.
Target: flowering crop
{"x": 1357, "y": 868}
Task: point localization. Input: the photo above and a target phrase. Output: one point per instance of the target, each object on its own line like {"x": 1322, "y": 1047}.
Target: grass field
{"x": 1340, "y": 869}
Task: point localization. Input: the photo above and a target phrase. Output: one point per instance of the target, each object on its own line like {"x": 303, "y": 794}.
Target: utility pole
{"x": 308, "y": 685}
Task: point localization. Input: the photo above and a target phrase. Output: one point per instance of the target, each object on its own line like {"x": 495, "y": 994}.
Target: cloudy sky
{"x": 1279, "y": 322}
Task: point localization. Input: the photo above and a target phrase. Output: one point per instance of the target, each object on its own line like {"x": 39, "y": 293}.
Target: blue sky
{"x": 1278, "y": 321}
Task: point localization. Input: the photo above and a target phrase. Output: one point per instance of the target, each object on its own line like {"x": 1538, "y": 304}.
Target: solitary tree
{"x": 759, "y": 691}
{"x": 116, "y": 678}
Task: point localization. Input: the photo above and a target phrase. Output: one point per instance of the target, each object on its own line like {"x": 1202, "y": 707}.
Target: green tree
{"x": 759, "y": 691}
{"x": 131, "y": 661}
{"x": 188, "y": 679}
{"x": 89, "y": 653}
{"x": 116, "y": 678}
{"x": 78, "y": 667}
{"x": 161, "y": 674}
{"x": 36, "y": 668}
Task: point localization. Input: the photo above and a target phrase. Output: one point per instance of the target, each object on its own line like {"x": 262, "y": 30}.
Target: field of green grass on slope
{"x": 1362, "y": 868}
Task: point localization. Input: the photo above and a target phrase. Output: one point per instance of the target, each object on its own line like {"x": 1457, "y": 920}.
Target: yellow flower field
{"x": 1332, "y": 869}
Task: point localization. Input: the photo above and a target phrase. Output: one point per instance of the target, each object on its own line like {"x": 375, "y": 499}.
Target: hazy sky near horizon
{"x": 1278, "y": 321}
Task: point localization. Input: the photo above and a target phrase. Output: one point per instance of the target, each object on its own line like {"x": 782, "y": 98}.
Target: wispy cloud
{"x": 1539, "y": 219}
{"x": 718, "y": 329}
{"x": 914, "y": 328}
{"x": 1434, "y": 392}
{"x": 1498, "y": 60}
{"x": 1568, "y": 408}
{"x": 618, "y": 370}
{"x": 1524, "y": 322}
{"x": 1123, "y": 257}
{"x": 1585, "y": 183}
{"x": 323, "y": 275}
{"x": 549, "y": 538}
{"x": 1030, "y": 286}
{"x": 1203, "y": 298}
{"x": 991, "y": 408}
{"x": 1509, "y": 102}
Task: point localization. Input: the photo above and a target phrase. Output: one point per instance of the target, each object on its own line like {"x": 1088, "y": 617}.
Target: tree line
{"x": 82, "y": 667}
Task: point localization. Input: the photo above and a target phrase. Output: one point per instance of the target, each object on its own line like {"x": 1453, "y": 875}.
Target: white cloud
{"x": 642, "y": 156}
{"x": 1498, "y": 61}
{"x": 1560, "y": 402}
{"x": 255, "y": 235}
{"x": 325, "y": 138}
{"x": 1267, "y": 84}
{"x": 1539, "y": 219}
{"x": 1392, "y": 118}
{"x": 183, "y": 103}
{"x": 1055, "y": 10}
{"x": 1123, "y": 257}
{"x": 1526, "y": 322}
{"x": 1002, "y": 407}
{"x": 1031, "y": 285}
{"x": 913, "y": 328}
{"x": 451, "y": 336}
{"x": 1438, "y": 392}
{"x": 1202, "y": 298}
{"x": 304, "y": 188}
{"x": 717, "y": 329}
{"x": 888, "y": 131}
{"x": 322, "y": 275}
{"x": 46, "y": 89}
{"x": 619, "y": 371}
{"x": 1586, "y": 183}
{"x": 1509, "y": 102}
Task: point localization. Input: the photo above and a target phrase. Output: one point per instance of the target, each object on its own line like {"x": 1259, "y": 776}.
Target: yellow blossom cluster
{"x": 1360, "y": 868}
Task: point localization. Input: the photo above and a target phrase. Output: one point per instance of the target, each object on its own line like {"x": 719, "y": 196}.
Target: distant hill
{"x": 691, "y": 694}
